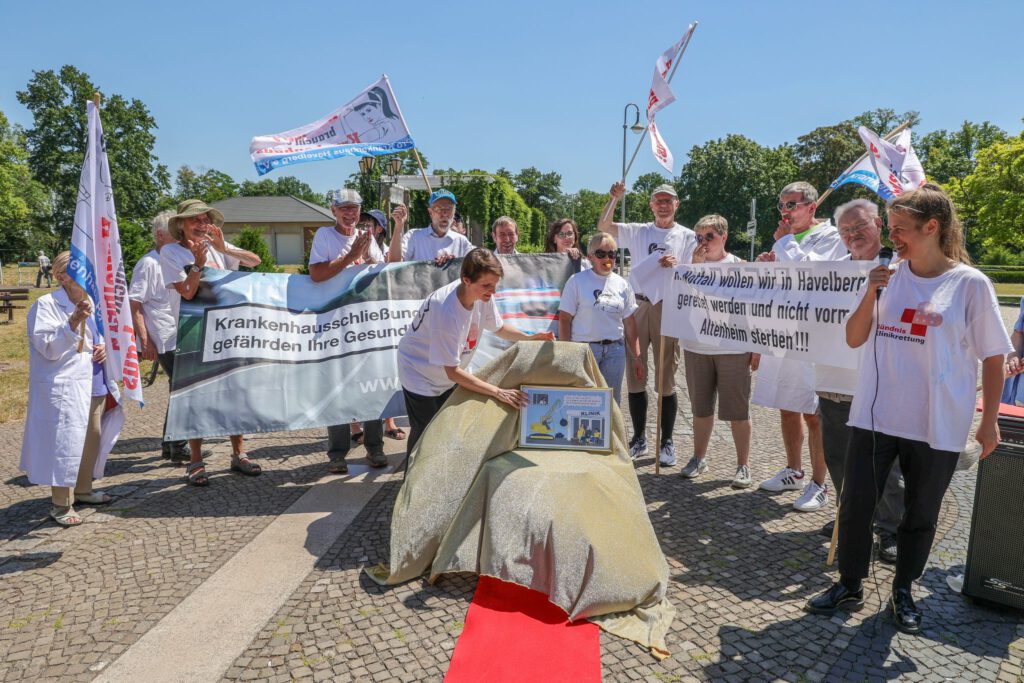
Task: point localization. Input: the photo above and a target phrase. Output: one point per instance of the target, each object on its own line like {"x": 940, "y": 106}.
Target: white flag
{"x": 96, "y": 262}
{"x": 661, "y": 151}
{"x": 887, "y": 160}
{"x": 660, "y": 96}
{"x": 371, "y": 124}
{"x": 912, "y": 173}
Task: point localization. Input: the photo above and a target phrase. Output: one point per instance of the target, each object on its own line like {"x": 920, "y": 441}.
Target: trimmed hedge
{"x": 1005, "y": 277}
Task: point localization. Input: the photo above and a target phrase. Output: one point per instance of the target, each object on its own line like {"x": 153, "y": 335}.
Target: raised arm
{"x": 606, "y": 224}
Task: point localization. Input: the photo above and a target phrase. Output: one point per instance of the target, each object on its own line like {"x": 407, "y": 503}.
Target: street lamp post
{"x": 636, "y": 128}
{"x": 365, "y": 169}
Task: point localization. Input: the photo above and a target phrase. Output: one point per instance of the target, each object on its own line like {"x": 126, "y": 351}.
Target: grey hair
{"x": 160, "y": 222}
{"x": 860, "y": 203}
{"x": 504, "y": 220}
{"x": 806, "y": 190}
{"x": 715, "y": 222}
{"x": 599, "y": 238}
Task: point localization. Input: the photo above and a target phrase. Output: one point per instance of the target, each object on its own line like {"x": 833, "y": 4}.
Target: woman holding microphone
{"x": 443, "y": 336}
{"x": 922, "y": 327}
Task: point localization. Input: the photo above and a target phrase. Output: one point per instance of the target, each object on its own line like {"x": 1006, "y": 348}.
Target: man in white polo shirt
{"x": 668, "y": 243}
{"x": 155, "y": 326}
{"x": 787, "y": 384}
{"x": 335, "y": 248}
{"x": 437, "y": 242}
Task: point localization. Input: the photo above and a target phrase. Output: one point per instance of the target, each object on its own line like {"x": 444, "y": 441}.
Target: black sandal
{"x": 358, "y": 438}
{"x": 242, "y": 463}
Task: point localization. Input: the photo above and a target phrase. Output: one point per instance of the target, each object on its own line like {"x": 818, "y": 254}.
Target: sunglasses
{"x": 789, "y": 206}
{"x": 602, "y": 254}
{"x": 566, "y": 235}
{"x": 707, "y": 237}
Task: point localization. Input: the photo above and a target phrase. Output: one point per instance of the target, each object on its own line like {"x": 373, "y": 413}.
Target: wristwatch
{"x": 193, "y": 268}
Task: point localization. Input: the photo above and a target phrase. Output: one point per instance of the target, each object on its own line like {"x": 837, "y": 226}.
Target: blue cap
{"x": 378, "y": 216}
{"x": 442, "y": 194}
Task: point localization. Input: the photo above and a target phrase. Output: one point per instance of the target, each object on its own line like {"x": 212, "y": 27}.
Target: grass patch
{"x": 112, "y": 622}
{"x": 454, "y": 626}
{"x": 1009, "y": 289}
{"x": 668, "y": 678}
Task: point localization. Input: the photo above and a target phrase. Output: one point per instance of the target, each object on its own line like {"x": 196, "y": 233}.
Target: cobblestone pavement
{"x": 742, "y": 564}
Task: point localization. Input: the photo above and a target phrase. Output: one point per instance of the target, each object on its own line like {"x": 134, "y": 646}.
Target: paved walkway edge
{"x": 200, "y": 638}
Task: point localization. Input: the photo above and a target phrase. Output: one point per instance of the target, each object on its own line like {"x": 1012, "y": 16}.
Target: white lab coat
{"x": 59, "y": 393}
{"x": 824, "y": 244}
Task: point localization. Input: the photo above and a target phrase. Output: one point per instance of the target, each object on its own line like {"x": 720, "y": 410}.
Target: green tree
{"x": 538, "y": 189}
{"x": 287, "y": 186}
{"x": 949, "y": 158}
{"x": 722, "y": 176}
{"x": 23, "y": 201}
{"x": 252, "y": 240}
{"x": 210, "y": 185}
{"x": 996, "y": 197}
{"x": 136, "y": 241}
{"x": 56, "y": 143}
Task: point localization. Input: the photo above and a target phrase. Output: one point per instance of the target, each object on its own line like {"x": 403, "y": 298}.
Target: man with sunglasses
{"x": 787, "y": 384}
{"x": 668, "y": 243}
{"x": 860, "y": 228}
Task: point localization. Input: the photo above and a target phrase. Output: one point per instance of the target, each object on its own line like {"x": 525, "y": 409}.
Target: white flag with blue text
{"x": 371, "y": 124}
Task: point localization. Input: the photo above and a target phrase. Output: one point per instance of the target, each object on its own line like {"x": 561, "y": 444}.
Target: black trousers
{"x": 166, "y": 361}
{"x": 421, "y": 410}
{"x": 926, "y": 473}
{"x": 836, "y": 442}
{"x": 339, "y": 439}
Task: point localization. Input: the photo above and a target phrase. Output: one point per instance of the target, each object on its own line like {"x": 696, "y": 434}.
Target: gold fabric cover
{"x": 570, "y": 524}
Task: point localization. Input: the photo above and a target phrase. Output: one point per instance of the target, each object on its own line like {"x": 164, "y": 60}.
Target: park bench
{"x": 8, "y": 295}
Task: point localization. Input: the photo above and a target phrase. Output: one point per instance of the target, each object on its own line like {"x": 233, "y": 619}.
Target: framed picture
{"x": 566, "y": 418}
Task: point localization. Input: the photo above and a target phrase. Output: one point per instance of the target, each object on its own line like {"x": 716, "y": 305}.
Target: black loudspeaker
{"x": 995, "y": 554}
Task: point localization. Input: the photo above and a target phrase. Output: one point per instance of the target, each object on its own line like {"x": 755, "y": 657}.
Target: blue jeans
{"x": 611, "y": 360}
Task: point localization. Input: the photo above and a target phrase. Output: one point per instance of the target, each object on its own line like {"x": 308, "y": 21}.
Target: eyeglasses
{"x": 566, "y": 235}
{"x": 707, "y": 237}
{"x": 602, "y": 254}
{"x": 846, "y": 232}
{"x": 789, "y": 206}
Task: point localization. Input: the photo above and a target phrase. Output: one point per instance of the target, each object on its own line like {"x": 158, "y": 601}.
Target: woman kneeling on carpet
{"x": 442, "y": 338}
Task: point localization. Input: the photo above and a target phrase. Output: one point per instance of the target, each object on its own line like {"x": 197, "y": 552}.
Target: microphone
{"x": 884, "y": 259}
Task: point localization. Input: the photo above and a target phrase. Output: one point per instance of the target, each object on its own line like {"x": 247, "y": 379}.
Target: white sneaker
{"x": 668, "y": 454}
{"x": 637, "y": 447}
{"x": 785, "y": 479}
{"x": 742, "y": 478}
{"x": 813, "y": 497}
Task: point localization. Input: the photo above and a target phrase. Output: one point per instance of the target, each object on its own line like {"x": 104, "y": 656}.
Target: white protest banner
{"x": 96, "y": 262}
{"x": 794, "y": 310}
{"x": 370, "y": 124}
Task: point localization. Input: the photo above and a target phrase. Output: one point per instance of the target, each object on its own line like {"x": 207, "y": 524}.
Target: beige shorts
{"x": 648, "y": 330}
{"x": 727, "y": 375}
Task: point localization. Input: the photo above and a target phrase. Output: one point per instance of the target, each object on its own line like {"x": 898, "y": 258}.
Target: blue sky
{"x": 530, "y": 83}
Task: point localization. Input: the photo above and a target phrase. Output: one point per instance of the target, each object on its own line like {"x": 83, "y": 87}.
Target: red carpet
{"x": 513, "y": 633}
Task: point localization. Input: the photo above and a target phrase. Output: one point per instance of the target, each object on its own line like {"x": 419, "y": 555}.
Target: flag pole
{"x": 657, "y": 390}
{"x": 81, "y": 329}
{"x": 419, "y": 162}
{"x": 892, "y": 134}
{"x": 679, "y": 58}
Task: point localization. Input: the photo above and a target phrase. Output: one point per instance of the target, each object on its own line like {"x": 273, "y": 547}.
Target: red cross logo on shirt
{"x": 920, "y": 319}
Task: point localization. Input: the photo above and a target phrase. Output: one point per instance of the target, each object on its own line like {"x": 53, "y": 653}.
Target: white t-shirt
{"x": 928, "y": 337}
{"x": 648, "y": 241}
{"x": 329, "y": 244}
{"x": 710, "y": 349}
{"x": 174, "y": 258}
{"x": 443, "y": 334}
{"x": 598, "y": 304}
{"x": 148, "y": 289}
{"x": 423, "y": 244}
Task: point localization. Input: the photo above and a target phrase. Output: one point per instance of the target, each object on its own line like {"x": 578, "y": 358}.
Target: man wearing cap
{"x": 156, "y": 329}
{"x": 668, "y": 243}
{"x": 335, "y": 248}
{"x": 200, "y": 243}
{"x": 788, "y": 384}
{"x": 505, "y": 234}
{"x": 437, "y": 242}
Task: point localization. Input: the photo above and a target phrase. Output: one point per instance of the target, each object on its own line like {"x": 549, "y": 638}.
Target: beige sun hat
{"x": 189, "y": 208}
